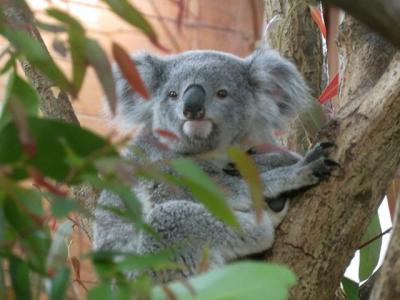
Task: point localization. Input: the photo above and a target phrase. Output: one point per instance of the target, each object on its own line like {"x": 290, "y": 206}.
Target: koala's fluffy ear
{"x": 279, "y": 88}
{"x": 132, "y": 108}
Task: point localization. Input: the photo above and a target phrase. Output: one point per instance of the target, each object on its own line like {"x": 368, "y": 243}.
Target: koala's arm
{"x": 269, "y": 161}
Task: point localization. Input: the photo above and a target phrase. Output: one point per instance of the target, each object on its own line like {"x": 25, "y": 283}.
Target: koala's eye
{"x": 222, "y": 93}
{"x": 173, "y": 94}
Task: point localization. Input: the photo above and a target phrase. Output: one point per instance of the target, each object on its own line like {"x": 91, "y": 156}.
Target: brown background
{"x": 226, "y": 25}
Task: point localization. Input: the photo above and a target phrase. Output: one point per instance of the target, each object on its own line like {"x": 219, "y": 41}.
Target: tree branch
{"x": 380, "y": 15}
{"x": 295, "y": 35}
{"x": 19, "y": 17}
{"x": 324, "y": 227}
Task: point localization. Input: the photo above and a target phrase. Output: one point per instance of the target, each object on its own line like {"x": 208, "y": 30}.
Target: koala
{"x": 208, "y": 101}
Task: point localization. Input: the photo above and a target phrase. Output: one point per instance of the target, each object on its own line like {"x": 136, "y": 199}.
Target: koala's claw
{"x": 322, "y": 168}
{"x": 319, "y": 150}
{"x": 332, "y": 163}
{"x": 325, "y": 145}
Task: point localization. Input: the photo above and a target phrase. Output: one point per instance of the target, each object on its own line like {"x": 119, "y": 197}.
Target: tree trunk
{"x": 293, "y": 33}
{"x": 381, "y": 16}
{"x": 324, "y": 226}
{"x": 296, "y": 37}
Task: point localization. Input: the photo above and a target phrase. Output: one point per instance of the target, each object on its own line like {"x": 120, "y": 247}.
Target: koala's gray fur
{"x": 263, "y": 90}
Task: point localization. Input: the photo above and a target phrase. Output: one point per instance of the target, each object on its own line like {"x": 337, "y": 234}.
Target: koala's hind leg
{"x": 188, "y": 228}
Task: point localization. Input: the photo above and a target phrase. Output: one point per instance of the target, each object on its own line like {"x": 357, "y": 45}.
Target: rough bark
{"x": 293, "y": 33}
{"x": 296, "y": 37}
{"x": 380, "y": 15}
{"x": 367, "y": 51}
{"x": 19, "y": 17}
{"x": 387, "y": 286}
{"x": 324, "y": 226}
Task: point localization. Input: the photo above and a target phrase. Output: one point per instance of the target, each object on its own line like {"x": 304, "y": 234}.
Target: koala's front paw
{"x": 317, "y": 161}
{"x": 318, "y": 151}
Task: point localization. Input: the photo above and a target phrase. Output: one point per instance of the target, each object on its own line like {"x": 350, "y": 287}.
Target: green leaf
{"x": 79, "y": 62}
{"x": 18, "y": 218}
{"x": 19, "y": 271}
{"x": 10, "y": 64}
{"x": 369, "y": 255}
{"x": 54, "y": 28}
{"x": 105, "y": 292}
{"x": 38, "y": 56}
{"x": 77, "y": 41}
{"x": 51, "y": 136}
{"x": 61, "y": 206}
{"x": 131, "y": 15}
{"x": 250, "y": 172}
{"x": 350, "y": 288}
{"x": 31, "y": 199}
{"x": 59, "y": 285}
{"x": 98, "y": 59}
{"x": 156, "y": 260}
{"x": 65, "y": 18}
{"x": 5, "y": 114}
{"x": 106, "y": 263}
{"x": 34, "y": 238}
{"x": 237, "y": 281}
{"x": 204, "y": 189}
{"x": 101, "y": 292}
{"x": 19, "y": 90}
{"x": 133, "y": 207}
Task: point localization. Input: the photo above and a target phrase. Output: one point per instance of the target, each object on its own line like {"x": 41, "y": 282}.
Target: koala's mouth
{"x": 197, "y": 129}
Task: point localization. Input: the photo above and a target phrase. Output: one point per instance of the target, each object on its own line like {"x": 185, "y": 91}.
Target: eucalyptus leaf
{"x": 77, "y": 40}
{"x": 369, "y": 255}
{"x": 59, "y": 285}
{"x": 18, "y": 90}
{"x": 204, "y": 189}
{"x": 250, "y": 172}
{"x": 237, "y": 281}
{"x": 98, "y": 59}
{"x": 132, "y": 15}
{"x": 51, "y": 136}
{"x": 350, "y": 288}
{"x": 19, "y": 271}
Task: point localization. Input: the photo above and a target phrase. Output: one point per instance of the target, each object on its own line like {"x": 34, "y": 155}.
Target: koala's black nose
{"x": 193, "y": 102}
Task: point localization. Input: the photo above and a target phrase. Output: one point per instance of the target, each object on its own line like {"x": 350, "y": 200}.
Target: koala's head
{"x": 211, "y": 100}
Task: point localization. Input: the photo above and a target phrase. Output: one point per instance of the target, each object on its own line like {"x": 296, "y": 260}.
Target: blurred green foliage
{"x": 41, "y": 159}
